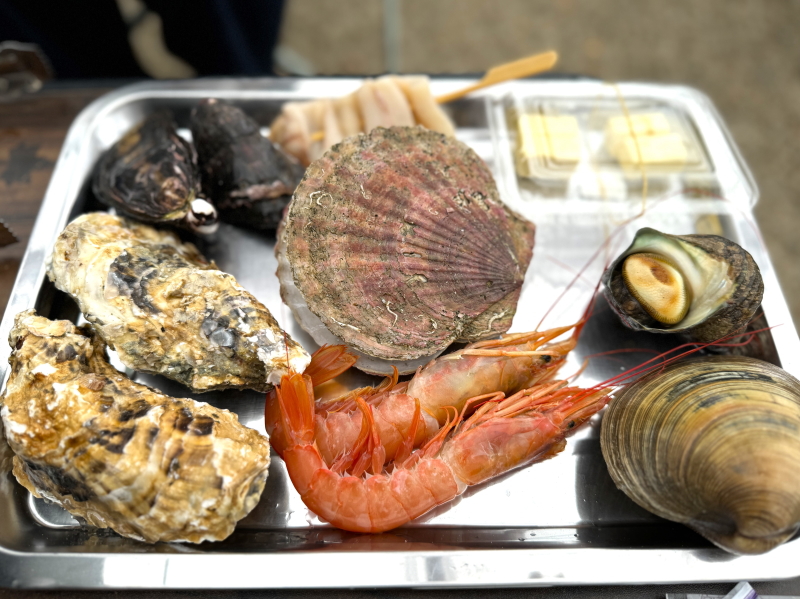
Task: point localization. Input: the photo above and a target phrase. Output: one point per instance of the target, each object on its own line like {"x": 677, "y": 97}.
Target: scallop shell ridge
{"x": 399, "y": 250}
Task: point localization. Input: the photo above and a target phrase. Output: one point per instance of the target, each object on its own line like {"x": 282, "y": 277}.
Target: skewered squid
{"x": 118, "y": 454}
{"x": 166, "y": 310}
{"x": 306, "y": 130}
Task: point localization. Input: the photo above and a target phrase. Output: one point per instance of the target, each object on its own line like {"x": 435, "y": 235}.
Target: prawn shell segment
{"x": 150, "y": 174}
{"x": 701, "y": 286}
{"x": 118, "y": 454}
{"x": 712, "y": 443}
{"x": 248, "y": 178}
{"x": 168, "y": 311}
{"x": 398, "y": 241}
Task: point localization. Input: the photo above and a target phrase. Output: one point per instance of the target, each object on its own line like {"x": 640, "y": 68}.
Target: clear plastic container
{"x": 567, "y": 145}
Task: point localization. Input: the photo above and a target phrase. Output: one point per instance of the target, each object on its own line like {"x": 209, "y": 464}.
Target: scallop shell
{"x": 118, "y": 454}
{"x": 151, "y": 175}
{"x": 398, "y": 241}
{"x": 713, "y": 443}
{"x": 166, "y": 310}
{"x": 248, "y": 178}
{"x": 722, "y": 282}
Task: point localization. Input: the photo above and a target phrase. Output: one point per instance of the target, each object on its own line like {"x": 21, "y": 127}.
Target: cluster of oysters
{"x": 116, "y": 453}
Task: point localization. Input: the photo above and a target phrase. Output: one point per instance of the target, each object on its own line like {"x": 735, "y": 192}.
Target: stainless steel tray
{"x": 558, "y": 522}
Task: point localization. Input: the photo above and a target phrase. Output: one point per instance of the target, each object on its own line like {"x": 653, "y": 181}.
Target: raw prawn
{"x": 505, "y": 365}
{"x": 502, "y": 434}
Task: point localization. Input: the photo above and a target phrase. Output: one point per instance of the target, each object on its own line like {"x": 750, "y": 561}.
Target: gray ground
{"x": 745, "y": 54}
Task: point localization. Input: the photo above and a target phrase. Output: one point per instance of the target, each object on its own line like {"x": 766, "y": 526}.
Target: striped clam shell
{"x": 399, "y": 242}
{"x": 713, "y": 443}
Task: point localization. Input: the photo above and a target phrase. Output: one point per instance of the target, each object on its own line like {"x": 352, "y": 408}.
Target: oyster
{"x": 166, "y": 310}
{"x": 713, "y": 443}
{"x": 248, "y": 179}
{"x": 151, "y": 175}
{"x": 704, "y": 286}
{"x": 118, "y": 454}
{"x": 398, "y": 241}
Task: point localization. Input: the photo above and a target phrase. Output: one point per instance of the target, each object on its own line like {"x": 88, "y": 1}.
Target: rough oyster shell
{"x": 248, "y": 178}
{"x": 713, "y": 443}
{"x": 398, "y": 241}
{"x": 166, "y": 310}
{"x": 151, "y": 175}
{"x": 119, "y": 454}
{"x": 725, "y": 286}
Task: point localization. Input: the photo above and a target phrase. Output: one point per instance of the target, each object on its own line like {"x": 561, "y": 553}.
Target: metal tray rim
{"x": 426, "y": 569}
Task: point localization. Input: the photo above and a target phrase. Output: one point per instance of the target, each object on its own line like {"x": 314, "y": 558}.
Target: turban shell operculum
{"x": 704, "y": 286}
{"x": 713, "y": 443}
{"x": 398, "y": 241}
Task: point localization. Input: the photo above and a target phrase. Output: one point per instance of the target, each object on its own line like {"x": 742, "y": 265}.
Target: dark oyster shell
{"x": 151, "y": 175}
{"x": 248, "y": 178}
{"x": 399, "y": 242}
{"x": 726, "y": 285}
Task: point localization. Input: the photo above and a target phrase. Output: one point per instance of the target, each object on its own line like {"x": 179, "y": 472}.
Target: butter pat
{"x": 652, "y": 123}
{"x": 645, "y": 139}
{"x": 667, "y": 149}
{"x": 553, "y": 138}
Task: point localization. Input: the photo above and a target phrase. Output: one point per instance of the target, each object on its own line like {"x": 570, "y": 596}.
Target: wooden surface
{"x": 32, "y": 130}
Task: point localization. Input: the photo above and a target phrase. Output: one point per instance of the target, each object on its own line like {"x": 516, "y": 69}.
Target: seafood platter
{"x": 272, "y": 327}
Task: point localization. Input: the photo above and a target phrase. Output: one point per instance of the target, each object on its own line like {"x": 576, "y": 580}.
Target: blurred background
{"x": 745, "y": 55}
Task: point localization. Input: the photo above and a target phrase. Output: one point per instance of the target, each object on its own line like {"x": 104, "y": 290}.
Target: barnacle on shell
{"x": 118, "y": 454}
{"x": 398, "y": 241}
{"x": 166, "y": 310}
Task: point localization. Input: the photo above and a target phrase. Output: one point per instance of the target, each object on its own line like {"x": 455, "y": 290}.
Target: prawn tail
{"x": 296, "y": 400}
{"x": 274, "y": 421}
{"x": 328, "y": 362}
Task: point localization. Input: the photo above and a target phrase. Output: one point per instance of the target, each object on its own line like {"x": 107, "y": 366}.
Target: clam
{"x": 248, "y": 178}
{"x": 398, "y": 242}
{"x": 713, "y": 443}
{"x": 703, "y": 286}
{"x": 151, "y": 175}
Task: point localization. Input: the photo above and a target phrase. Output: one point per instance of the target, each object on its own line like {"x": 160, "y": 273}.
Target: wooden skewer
{"x": 524, "y": 67}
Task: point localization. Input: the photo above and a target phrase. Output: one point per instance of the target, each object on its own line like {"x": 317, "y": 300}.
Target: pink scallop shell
{"x": 399, "y": 242}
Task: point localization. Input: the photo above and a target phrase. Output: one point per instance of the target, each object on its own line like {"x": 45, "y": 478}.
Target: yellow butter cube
{"x": 549, "y": 137}
{"x": 667, "y": 149}
{"x": 651, "y": 123}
